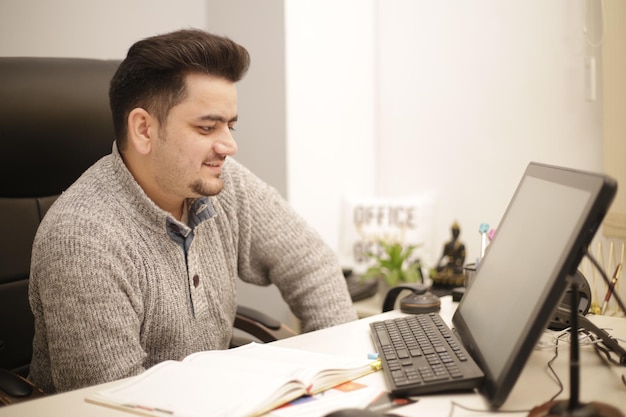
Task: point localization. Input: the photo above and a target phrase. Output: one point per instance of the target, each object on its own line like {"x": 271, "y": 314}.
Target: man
{"x": 137, "y": 261}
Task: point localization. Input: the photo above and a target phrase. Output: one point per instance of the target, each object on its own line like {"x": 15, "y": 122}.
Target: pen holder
{"x": 470, "y": 274}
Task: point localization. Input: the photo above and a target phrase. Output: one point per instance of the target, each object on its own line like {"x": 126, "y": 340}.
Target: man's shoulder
{"x": 90, "y": 199}
{"x": 234, "y": 167}
{"x": 237, "y": 177}
{"x": 92, "y": 188}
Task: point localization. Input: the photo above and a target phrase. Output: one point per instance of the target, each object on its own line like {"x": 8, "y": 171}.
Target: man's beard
{"x": 201, "y": 188}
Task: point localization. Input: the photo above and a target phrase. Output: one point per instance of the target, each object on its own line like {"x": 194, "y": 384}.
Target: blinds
{"x": 614, "y": 110}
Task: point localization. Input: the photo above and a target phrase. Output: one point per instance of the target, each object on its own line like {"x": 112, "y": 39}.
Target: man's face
{"x": 196, "y": 138}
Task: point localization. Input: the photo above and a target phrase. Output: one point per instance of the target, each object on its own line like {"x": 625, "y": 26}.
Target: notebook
{"x": 544, "y": 233}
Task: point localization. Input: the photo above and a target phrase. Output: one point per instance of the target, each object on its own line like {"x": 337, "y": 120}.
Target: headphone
{"x": 560, "y": 321}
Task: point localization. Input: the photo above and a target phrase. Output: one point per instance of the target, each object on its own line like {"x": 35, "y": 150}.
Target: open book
{"x": 246, "y": 381}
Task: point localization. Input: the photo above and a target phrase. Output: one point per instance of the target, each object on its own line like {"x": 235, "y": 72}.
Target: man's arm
{"x": 86, "y": 317}
{"x": 277, "y": 246}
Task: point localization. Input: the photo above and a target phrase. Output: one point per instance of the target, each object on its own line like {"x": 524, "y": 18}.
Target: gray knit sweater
{"x": 112, "y": 294}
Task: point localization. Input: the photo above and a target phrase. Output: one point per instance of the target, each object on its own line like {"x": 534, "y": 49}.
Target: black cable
{"x": 606, "y": 280}
{"x": 598, "y": 348}
{"x": 605, "y": 354}
{"x": 555, "y": 377}
{"x": 550, "y": 362}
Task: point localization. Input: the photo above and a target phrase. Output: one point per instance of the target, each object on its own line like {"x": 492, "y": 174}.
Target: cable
{"x": 585, "y": 338}
{"x": 605, "y": 356}
{"x": 606, "y": 280}
{"x": 551, "y": 369}
{"x": 563, "y": 334}
{"x": 454, "y": 404}
{"x": 605, "y": 338}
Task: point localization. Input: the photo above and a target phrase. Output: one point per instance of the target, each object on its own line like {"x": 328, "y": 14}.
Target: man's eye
{"x": 231, "y": 128}
{"x": 207, "y": 128}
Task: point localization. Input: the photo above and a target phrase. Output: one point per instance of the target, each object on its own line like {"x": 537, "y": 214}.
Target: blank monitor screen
{"x": 550, "y": 221}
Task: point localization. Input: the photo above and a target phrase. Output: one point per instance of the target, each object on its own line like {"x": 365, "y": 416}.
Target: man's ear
{"x": 142, "y": 130}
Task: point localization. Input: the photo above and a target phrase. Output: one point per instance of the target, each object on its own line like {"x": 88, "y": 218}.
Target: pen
{"x": 483, "y": 229}
{"x": 609, "y": 292}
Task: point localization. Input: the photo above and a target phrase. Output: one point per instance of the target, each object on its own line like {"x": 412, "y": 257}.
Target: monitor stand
{"x": 573, "y": 407}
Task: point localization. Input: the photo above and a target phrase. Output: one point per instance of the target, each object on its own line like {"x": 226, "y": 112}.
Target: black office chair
{"x": 55, "y": 122}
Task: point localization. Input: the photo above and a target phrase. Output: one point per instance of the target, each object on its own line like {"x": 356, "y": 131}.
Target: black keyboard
{"x": 421, "y": 355}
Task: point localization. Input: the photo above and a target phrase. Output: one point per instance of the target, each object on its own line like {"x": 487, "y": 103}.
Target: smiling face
{"x": 191, "y": 146}
{"x": 183, "y": 157}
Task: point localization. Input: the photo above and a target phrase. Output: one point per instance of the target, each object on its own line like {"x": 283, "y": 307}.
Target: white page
{"x": 235, "y": 382}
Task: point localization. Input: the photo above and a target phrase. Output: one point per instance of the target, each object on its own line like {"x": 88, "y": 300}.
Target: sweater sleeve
{"x": 276, "y": 246}
{"x": 84, "y": 306}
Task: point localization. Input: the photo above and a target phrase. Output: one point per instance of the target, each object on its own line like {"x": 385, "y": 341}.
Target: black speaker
{"x": 559, "y": 322}
{"x": 419, "y": 301}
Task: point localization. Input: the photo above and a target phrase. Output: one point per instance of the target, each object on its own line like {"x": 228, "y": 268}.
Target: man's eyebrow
{"x": 216, "y": 118}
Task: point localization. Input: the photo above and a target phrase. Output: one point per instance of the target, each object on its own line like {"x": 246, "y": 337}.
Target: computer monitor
{"x": 541, "y": 239}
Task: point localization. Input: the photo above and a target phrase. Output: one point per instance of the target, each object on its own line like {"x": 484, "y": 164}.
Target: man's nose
{"x": 226, "y": 144}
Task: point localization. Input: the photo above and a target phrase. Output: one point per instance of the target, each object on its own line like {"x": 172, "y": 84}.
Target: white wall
{"x": 470, "y": 92}
{"x": 465, "y": 95}
{"x": 331, "y": 91}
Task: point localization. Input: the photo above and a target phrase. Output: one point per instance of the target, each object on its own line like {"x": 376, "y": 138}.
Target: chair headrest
{"x": 55, "y": 122}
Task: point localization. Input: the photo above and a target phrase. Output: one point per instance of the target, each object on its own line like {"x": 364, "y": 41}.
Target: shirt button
{"x": 196, "y": 281}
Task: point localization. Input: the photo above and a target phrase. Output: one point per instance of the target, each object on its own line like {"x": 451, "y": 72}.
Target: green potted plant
{"x": 393, "y": 264}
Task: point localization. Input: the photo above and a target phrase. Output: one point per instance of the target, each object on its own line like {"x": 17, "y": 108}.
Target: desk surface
{"x": 534, "y": 387}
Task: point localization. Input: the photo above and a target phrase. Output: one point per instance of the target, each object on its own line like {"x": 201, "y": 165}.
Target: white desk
{"x": 534, "y": 387}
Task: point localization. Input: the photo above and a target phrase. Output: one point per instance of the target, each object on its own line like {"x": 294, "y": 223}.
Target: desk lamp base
{"x": 562, "y": 409}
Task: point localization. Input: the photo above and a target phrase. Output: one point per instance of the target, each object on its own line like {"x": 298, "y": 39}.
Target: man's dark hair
{"x": 152, "y": 76}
